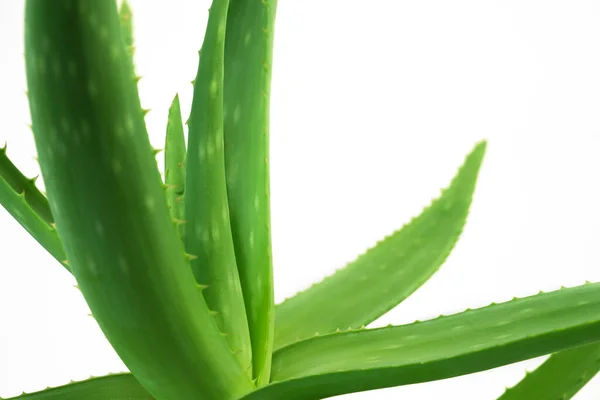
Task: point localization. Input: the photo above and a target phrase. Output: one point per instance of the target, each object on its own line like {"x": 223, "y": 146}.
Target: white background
{"x": 375, "y": 104}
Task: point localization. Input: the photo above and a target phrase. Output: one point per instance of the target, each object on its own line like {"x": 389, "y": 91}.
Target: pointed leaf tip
{"x": 410, "y": 255}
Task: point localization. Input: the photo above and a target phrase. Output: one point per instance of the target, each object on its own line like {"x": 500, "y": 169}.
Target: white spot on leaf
{"x": 214, "y": 86}
{"x": 237, "y": 114}
{"x": 129, "y": 125}
{"x": 224, "y": 213}
{"x": 216, "y": 234}
{"x": 99, "y": 228}
{"x": 123, "y": 264}
{"x": 256, "y": 202}
{"x": 115, "y": 164}
{"x": 149, "y": 202}
{"x": 92, "y": 90}
{"x": 209, "y": 147}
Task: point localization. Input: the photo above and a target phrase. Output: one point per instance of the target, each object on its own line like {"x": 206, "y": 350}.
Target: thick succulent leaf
{"x": 126, "y": 15}
{"x": 560, "y": 377}
{"x": 19, "y": 196}
{"x": 112, "y": 387}
{"x": 386, "y": 274}
{"x": 174, "y": 163}
{"x": 21, "y": 184}
{"x": 106, "y": 196}
{"x": 248, "y": 68}
{"x": 207, "y": 229}
{"x": 448, "y": 346}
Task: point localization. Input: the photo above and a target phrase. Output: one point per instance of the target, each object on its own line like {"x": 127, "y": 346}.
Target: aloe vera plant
{"x": 178, "y": 273}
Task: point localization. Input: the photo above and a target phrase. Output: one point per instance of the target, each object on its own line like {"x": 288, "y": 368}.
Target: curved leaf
{"x": 106, "y": 196}
{"x": 386, "y": 274}
{"x": 112, "y": 387}
{"x": 22, "y": 200}
{"x": 21, "y": 184}
{"x": 561, "y": 376}
{"x": 448, "y": 346}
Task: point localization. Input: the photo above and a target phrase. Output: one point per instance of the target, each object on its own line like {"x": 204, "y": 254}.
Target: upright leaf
{"x": 472, "y": 341}
{"x": 174, "y": 163}
{"x": 208, "y": 230}
{"x": 248, "y": 66}
{"x": 106, "y": 196}
{"x": 386, "y": 274}
{"x": 561, "y": 376}
{"x": 126, "y": 15}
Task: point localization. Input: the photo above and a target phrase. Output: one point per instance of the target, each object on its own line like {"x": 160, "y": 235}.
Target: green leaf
{"x": 386, "y": 274}
{"x": 112, "y": 387}
{"x": 448, "y": 346}
{"x": 561, "y": 376}
{"x": 208, "y": 229}
{"x": 106, "y": 195}
{"x": 26, "y": 204}
{"x": 21, "y": 184}
{"x": 174, "y": 163}
{"x": 248, "y": 68}
{"x": 126, "y": 16}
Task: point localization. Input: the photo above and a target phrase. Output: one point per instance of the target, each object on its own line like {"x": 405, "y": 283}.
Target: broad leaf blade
{"x": 448, "y": 346}
{"x": 248, "y": 68}
{"x": 560, "y": 377}
{"x": 386, "y": 274}
{"x": 112, "y": 387}
{"x": 105, "y": 193}
{"x": 208, "y": 230}
{"x": 174, "y": 163}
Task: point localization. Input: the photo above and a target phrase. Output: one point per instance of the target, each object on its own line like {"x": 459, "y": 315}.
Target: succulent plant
{"x": 178, "y": 273}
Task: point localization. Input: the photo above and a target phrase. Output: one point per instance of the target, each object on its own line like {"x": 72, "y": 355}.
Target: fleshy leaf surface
{"x": 111, "y": 387}
{"x": 208, "y": 229}
{"x": 175, "y": 163}
{"x": 561, "y": 376}
{"x": 126, "y": 15}
{"x": 386, "y": 274}
{"x": 248, "y": 68}
{"x": 21, "y": 184}
{"x": 106, "y": 196}
{"x": 26, "y": 204}
{"x": 448, "y": 346}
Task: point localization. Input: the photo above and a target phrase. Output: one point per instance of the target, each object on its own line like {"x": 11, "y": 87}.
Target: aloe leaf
{"x": 248, "y": 67}
{"x": 126, "y": 15}
{"x": 21, "y": 184}
{"x": 561, "y": 376}
{"x": 106, "y": 196}
{"x": 174, "y": 163}
{"x": 386, "y": 274}
{"x": 207, "y": 228}
{"x": 111, "y": 387}
{"x": 448, "y": 346}
{"x": 26, "y": 204}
